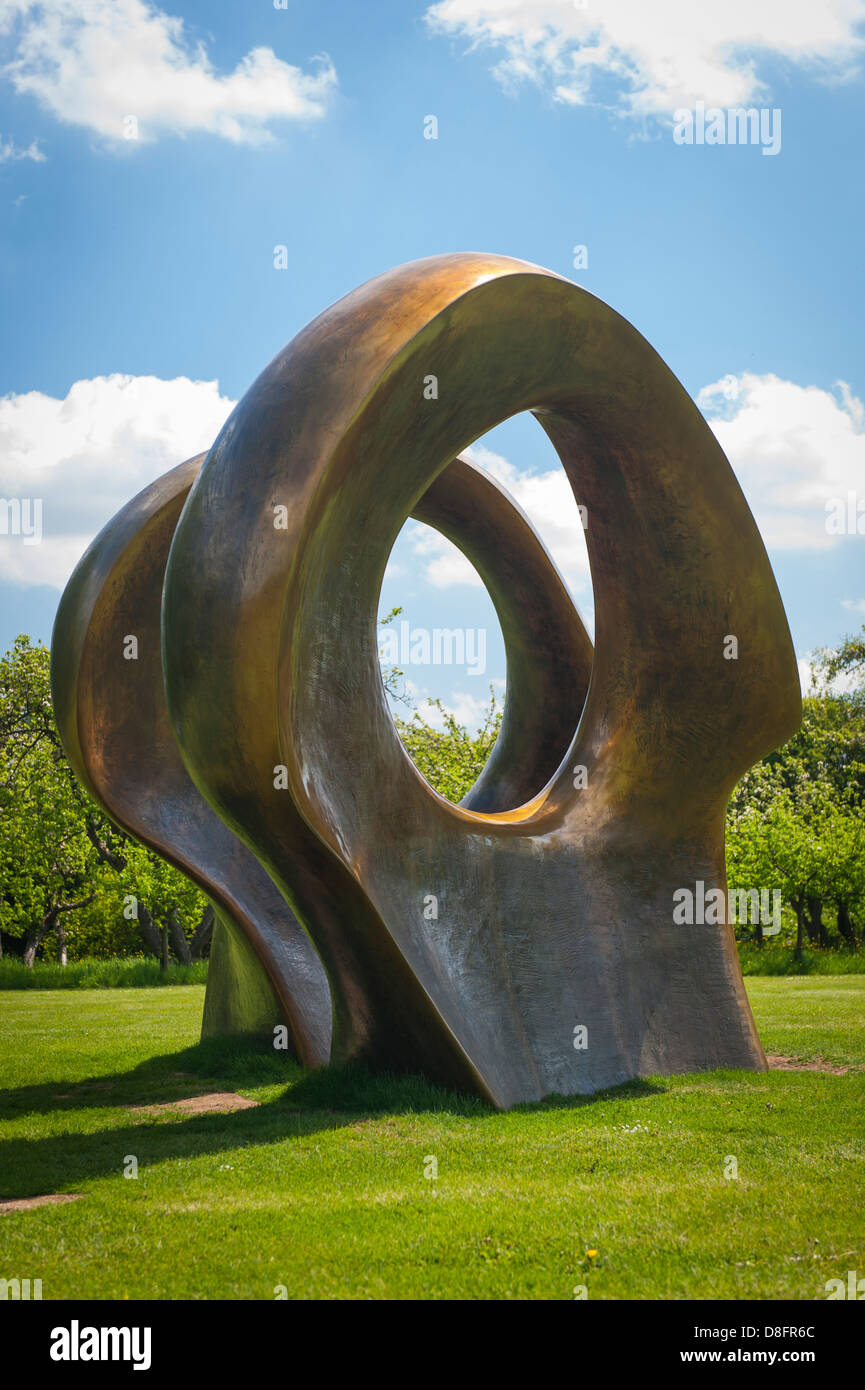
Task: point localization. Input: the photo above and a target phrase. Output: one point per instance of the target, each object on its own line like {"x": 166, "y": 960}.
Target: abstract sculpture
{"x": 554, "y": 963}
{"x": 110, "y": 708}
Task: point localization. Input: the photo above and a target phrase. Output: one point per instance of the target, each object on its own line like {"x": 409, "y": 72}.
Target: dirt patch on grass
{"x": 51, "y": 1199}
{"x": 212, "y": 1103}
{"x": 777, "y": 1062}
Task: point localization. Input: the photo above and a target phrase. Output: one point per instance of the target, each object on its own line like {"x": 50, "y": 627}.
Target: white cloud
{"x": 548, "y": 502}
{"x": 842, "y": 684}
{"x": 87, "y": 455}
{"x": 94, "y": 62}
{"x": 793, "y": 448}
{"x": 854, "y": 605}
{"x": 468, "y": 710}
{"x": 9, "y": 151}
{"x": 444, "y": 565}
{"x": 647, "y": 59}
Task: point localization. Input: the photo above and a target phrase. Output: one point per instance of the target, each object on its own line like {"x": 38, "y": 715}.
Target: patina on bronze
{"x": 555, "y": 914}
{"x": 113, "y": 719}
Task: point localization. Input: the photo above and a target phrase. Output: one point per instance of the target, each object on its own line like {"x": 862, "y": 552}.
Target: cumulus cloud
{"x": 94, "y": 63}
{"x": 795, "y": 450}
{"x": 84, "y": 456}
{"x": 443, "y": 565}
{"x": 842, "y": 684}
{"x": 468, "y": 710}
{"x": 548, "y": 502}
{"x": 649, "y": 59}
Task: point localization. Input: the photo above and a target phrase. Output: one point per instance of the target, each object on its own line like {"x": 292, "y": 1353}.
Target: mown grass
{"x": 118, "y": 972}
{"x": 322, "y": 1191}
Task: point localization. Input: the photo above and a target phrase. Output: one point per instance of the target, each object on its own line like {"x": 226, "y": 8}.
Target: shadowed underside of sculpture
{"x": 554, "y": 891}
{"x": 112, "y": 715}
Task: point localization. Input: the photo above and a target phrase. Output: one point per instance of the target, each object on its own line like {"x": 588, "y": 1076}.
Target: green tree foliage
{"x": 450, "y": 758}
{"x": 68, "y": 878}
{"x": 796, "y": 821}
{"x": 47, "y": 860}
{"x": 71, "y": 882}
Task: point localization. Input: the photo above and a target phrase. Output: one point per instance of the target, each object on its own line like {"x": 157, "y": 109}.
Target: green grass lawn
{"x": 322, "y": 1188}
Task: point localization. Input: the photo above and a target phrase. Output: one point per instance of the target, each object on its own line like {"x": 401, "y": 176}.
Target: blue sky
{"x": 137, "y": 273}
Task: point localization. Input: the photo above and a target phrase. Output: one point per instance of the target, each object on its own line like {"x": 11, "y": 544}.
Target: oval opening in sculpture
{"x": 470, "y": 533}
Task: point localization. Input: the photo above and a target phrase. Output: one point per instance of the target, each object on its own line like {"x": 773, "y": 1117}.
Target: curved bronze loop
{"x": 113, "y": 720}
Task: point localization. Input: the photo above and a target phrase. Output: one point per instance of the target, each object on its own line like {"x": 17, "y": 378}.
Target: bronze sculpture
{"x": 553, "y": 963}
{"x": 111, "y": 711}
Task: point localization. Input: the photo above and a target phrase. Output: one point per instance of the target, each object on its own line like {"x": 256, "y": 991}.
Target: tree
{"x": 172, "y": 915}
{"x": 46, "y": 858}
{"x": 65, "y": 870}
{"x": 450, "y": 758}
{"x": 796, "y": 821}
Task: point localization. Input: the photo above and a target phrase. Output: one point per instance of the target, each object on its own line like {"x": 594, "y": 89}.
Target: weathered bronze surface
{"x": 112, "y": 715}
{"x": 114, "y": 724}
{"x": 554, "y": 911}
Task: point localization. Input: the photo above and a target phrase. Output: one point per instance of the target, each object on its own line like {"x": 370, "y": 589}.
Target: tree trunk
{"x": 164, "y": 958}
{"x": 800, "y": 927}
{"x": 106, "y": 854}
{"x": 845, "y": 926}
{"x": 178, "y": 939}
{"x": 50, "y": 920}
{"x": 36, "y": 935}
{"x": 816, "y": 929}
{"x": 61, "y": 943}
{"x": 200, "y": 944}
{"x": 149, "y": 933}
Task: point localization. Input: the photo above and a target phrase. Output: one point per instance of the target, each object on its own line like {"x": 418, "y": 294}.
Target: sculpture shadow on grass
{"x": 314, "y": 1101}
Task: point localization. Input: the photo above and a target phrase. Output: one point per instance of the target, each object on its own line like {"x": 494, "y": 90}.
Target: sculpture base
{"x": 239, "y": 997}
